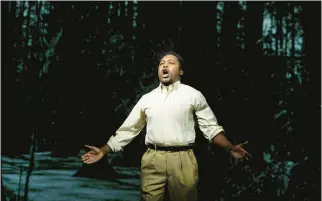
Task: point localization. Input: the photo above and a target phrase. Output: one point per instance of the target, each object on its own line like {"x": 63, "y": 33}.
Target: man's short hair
{"x": 179, "y": 57}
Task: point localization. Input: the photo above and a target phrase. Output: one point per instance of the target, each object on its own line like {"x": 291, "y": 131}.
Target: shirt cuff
{"x": 111, "y": 144}
{"x": 215, "y": 133}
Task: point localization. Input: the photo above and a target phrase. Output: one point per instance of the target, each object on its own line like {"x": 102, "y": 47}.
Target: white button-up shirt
{"x": 169, "y": 115}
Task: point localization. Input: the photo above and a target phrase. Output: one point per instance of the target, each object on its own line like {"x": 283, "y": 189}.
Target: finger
{"x": 248, "y": 154}
{"x": 91, "y": 147}
{"x": 244, "y": 152}
{"x": 244, "y": 143}
{"x": 91, "y": 160}
{"x": 92, "y": 152}
{"x": 87, "y": 161}
{"x": 237, "y": 157}
{"x": 85, "y": 156}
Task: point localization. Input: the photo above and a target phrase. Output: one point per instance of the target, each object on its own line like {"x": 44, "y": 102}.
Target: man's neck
{"x": 170, "y": 86}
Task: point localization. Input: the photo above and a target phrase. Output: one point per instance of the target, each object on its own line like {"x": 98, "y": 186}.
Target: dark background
{"x": 71, "y": 73}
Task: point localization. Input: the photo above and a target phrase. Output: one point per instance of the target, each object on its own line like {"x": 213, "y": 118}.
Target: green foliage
{"x": 276, "y": 174}
{"x": 219, "y": 18}
{"x": 282, "y": 31}
{"x": 241, "y": 27}
{"x": 34, "y": 34}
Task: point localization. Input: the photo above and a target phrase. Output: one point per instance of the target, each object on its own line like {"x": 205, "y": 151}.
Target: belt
{"x": 171, "y": 148}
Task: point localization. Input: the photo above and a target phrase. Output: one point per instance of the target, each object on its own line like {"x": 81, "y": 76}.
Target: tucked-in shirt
{"x": 168, "y": 112}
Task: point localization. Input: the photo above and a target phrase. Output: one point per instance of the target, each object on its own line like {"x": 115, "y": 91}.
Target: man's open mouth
{"x": 165, "y": 73}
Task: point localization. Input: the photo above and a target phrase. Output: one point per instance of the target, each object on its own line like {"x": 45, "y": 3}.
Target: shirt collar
{"x": 171, "y": 87}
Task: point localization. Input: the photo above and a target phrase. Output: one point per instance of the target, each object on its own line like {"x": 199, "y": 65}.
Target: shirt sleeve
{"x": 207, "y": 121}
{"x": 131, "y": 127}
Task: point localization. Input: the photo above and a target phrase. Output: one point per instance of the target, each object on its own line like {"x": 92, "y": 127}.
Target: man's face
{"x": 169, "y": 70}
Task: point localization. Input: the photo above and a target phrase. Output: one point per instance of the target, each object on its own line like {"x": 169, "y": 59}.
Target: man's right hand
{"x": 94, "y": 155}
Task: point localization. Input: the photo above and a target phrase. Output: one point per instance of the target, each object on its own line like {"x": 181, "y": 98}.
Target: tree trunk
{"x": 31, "y": 163}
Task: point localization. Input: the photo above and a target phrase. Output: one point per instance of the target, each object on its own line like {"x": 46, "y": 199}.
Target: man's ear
{"x": 181, "y": 72}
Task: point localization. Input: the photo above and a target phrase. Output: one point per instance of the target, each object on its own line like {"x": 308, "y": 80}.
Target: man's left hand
{"x": 238, "y": 152}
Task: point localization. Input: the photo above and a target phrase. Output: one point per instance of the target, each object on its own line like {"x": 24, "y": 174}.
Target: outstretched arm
{"x": 129, "y": 129}
{"x": 213, "y": 132}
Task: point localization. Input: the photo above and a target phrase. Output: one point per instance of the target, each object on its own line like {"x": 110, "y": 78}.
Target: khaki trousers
{"x": 179, "y": 170}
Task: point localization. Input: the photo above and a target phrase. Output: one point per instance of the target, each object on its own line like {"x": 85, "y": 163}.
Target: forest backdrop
{"x": 72, "y": 71}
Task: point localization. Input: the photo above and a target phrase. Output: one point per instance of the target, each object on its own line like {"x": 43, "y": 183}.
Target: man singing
{"x": 169, "y": 113}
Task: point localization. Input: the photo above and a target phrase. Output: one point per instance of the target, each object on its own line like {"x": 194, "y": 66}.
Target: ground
{"x": 53, "y": 180}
